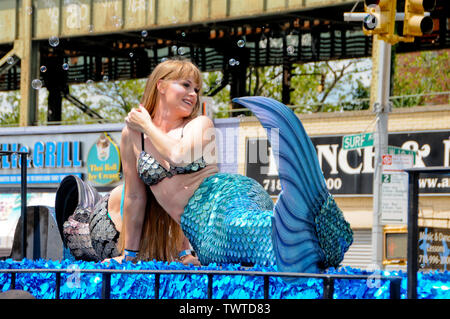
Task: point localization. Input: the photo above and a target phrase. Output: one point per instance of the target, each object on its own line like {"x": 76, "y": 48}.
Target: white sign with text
{"x": 394, "y": 189}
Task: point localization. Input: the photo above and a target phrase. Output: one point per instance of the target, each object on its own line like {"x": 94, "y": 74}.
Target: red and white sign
{"x": 386, "y": 159}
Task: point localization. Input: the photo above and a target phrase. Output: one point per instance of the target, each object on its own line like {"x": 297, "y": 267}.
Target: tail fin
{"x": 302, "y": 212}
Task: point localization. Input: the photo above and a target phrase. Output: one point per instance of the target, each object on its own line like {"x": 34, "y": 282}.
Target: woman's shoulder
{"x": 128, "y": 132}
{"x": 131, "y": 139}
{"x": 201, "y": 120}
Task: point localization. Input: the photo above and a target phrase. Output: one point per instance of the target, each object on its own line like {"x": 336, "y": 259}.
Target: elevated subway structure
{"x": 126, "y": 39}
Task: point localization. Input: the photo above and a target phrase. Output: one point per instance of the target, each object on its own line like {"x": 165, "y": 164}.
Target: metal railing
{"x": 328, "y": 279}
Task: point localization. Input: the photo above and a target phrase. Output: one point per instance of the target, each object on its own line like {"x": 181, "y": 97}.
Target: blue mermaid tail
{"x": 309, "y": 232}
{"x": 231, "y": 218}
{"x": 228, "y": 220}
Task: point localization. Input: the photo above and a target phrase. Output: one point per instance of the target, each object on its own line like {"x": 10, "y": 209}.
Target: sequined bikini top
{"x": 152, "y": 172}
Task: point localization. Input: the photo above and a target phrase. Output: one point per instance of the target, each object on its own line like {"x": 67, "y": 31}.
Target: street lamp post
{"x": 381, "y": 107}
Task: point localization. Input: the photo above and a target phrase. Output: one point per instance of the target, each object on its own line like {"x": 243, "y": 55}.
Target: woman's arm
{"x": 187, "y": 259}
{"x": 135, "y": 196}
{"x": 198, "y": 133}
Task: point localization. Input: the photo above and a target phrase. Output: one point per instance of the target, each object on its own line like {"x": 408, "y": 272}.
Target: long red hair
{"x": 162, "y": 238}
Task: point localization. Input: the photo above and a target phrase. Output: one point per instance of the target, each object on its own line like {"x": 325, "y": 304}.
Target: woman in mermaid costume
{"x": 226, "y": 218}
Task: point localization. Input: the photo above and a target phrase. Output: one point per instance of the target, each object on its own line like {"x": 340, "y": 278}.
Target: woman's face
{"x": 181, "y": 95}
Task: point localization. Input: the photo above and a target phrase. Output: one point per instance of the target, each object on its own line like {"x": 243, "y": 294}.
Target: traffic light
{"x": 415, "y": 22}
{"x": 380, "y": 18}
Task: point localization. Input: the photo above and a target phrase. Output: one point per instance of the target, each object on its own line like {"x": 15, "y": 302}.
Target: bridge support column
{"x": 29, "y": 55}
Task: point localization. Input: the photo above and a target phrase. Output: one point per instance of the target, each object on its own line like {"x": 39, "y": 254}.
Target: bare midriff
{"x": 174, "y": 193}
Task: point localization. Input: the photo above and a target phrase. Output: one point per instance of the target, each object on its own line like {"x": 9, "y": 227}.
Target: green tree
{"x": 317, "y": 87}
{"x": 328, "y": 86}
{"x": 221, "y": 99}
{"x": 9, "y": 114}
{"x": 425, "y": 72}
{"x": 265, "y": 81}
{"x": 112, "y": 100}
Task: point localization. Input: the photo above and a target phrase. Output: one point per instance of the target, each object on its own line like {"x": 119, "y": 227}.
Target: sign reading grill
{"x": 355, "y": 141}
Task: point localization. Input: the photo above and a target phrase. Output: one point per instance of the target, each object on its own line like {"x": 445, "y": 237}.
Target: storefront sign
{"x": 434, "y": 246}
{"x": 103, "y": 161}
{"x": 261, "y": 165}
{"x": 351, "y": 171}
{"x": 54, "y": 156}
{"x": 48, "y": 154}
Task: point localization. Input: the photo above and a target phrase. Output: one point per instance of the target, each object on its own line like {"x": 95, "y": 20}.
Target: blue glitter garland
{"x": 431, "y": 285}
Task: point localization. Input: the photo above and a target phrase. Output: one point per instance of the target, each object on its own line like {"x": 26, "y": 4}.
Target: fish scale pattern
{"x": 151, "y": 171}
{"x": 228, "y": 220}
{"x": 90, "y": 234}
{"x": 104, "y": 235}
{"x": 334, "y": 233}
{"x": 77, "y": 236}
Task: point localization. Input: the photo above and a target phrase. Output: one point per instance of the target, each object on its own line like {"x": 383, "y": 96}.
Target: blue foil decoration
{"x": 75, "y": 285}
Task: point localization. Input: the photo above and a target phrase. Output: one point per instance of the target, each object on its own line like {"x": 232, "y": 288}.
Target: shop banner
{"x": 350, "y": 172}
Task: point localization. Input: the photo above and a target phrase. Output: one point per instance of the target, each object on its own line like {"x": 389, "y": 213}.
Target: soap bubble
{"x": 90, "y": 84}
{"x": 105, "y": 78}
{"x": 180, "y": 51}
{"x": 65, "y": 66}
{"x": 131, "y": 54}
{"x": 174, "y": 49}
{"x": 43, "y": 69}
{"x": 290, "y": 50}
{"x": 241, "y": 43}
{"x": 117, "y": 21}
{"x": 232, "y": 62}
{"x": 144, "y": 33}
{"x": 36, "y": 84}
{"x": 53, "y": 41}
{"x": 10, "y": 60}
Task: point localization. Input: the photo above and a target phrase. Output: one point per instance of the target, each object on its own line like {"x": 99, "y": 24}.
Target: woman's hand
{"x": 189, "y": 259}
{"x": 138, "y": 119}
{"x": 120, "y": 259}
